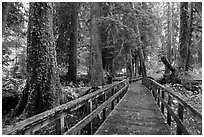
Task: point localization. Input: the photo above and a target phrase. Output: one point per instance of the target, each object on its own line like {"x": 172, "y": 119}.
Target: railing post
{"x": 96, "y": 103}
{"x": 104, "y": 110}
{"x": 162, "y": 105}
{"x": 118, "y": 98}
{"x": 112, "y": 103}
{"x": 152, "y": 89}
{"x": 158, "y": 101}
{"x": 180, "y": 115}
{"x": 153, "y": 92}
{"x": 168, "y": 114}
{"x": 59, "y": 125}
{"x": 89, "y": 110}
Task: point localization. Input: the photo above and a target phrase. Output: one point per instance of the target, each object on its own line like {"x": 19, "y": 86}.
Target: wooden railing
{"x": 108, "y": 96}
{"x": 176, "y": 110}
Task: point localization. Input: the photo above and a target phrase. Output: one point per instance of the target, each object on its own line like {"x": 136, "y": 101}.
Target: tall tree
{"x": 96, "y": 69}
{"x": 183, "y": 49}
{"x": 170, "y": 36}
{"x": 140, "y": 53}
{"x": 72, "y": 69}
{"x": 189, "y": 36}
{"x": 42, "y": 90}
{"x": 63, "y": 40}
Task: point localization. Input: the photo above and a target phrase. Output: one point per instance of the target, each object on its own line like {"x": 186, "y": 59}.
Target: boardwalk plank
{"x": 136, "y": 114}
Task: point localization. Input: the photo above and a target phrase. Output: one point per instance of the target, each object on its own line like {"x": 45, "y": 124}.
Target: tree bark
{"x": 189, "y": 36}
{"x": 62, "y": 43}
{"x": 169, "y": 40}
{"x": 183, "y": 35}
{"x": 72, "y": 69}
{"x": 43, "y": 87}
{"x": 140, "y": 52}
{"x": 96, "y": 69}
{"x": 172, "y": 37}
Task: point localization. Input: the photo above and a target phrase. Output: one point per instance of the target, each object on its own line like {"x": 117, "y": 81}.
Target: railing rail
{"x": 163, "y": 98}
{"x": 58, "y": 114}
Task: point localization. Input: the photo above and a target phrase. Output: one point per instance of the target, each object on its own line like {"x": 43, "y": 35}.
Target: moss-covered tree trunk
{"x": 42, "y": 90}
{"x": 96, "y": 69}
{"x": 72, "y": 69}
{"x": 183, "y": 49}
{"x": 62, "y": 43}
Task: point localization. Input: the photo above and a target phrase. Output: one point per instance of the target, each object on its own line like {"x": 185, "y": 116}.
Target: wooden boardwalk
{"x": 136, "y": 114}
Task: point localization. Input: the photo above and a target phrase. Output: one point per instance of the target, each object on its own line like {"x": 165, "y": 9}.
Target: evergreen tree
{"x": 96, "y": 69}
{"x": 42, "y": 90}
{"x": 183, "y": 49}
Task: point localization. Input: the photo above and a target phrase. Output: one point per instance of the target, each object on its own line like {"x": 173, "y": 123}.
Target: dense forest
{"x": 53, "y": 53}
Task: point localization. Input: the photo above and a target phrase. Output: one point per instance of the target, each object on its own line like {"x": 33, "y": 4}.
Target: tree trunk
{"x": 169, "y": 40}
{"x": 183, "y": 35}
{"x": 72, "y": 70}
{"x": 96, "y": 70}
{"x": 140, "y": 52}
{"x": 172, "y": 37}
{"x": 129, "y": 65}
{"x": 43, "y": 89}
{"x": 62, "y": 43}
{"x": 5, "y": 10}
{"x": 136, "y": 65}
{"x": 189, "y": 36}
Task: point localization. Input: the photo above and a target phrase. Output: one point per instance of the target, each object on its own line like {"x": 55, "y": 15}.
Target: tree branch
{"x": 197, "y": 12}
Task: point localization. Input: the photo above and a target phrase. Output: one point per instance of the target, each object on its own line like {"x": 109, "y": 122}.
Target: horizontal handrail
{"x": 158, "y": 92}
{"x": 94, "y": 113}
{"x": 32, "y": 124}
{"x": 136, "y": 79}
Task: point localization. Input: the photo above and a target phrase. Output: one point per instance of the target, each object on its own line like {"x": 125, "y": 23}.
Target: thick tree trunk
{"x": 72, "y": 70}
{"x": 190, "y": 21}
{"x": 140, "y": 53}
{"x": 62, "y": 43}
{"x": 183, "y": 35}
{"x": 43, "y": 88}
{"x": 96, "y": 70}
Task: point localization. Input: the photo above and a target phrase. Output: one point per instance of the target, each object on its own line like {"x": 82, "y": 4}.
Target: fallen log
{"x": 167, "y": 63}
{"x": 169, "y": 78}
{"x": 175, "y": 77}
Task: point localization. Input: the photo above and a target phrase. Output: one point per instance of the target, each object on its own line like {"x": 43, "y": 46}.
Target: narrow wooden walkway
{"x": 136, "y": 114}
